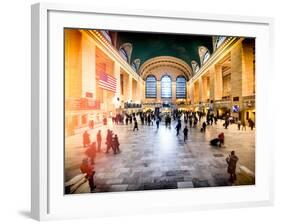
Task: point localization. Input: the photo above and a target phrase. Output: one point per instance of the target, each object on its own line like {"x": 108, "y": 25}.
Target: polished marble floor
{"x": 158, "y": 159}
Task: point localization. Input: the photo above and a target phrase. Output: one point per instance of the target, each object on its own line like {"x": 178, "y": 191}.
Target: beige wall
{"x": 248, "y": 68}
{"x": 196, "y": 92}
{"x": 88, "y": 65}
{"x": 73, "y": 63}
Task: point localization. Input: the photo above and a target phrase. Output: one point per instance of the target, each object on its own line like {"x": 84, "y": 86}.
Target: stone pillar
{"x": 88, "y": 66}
{"x": 204, "y": 89}
{"x": 105, "y": 103}
{"x": 130, "y": 87}
{"x": 248, "y": 68}
{"x": 212, "y": 74}
{"x": 200, "y": 93}
{"x": 134, "y": 90}
{"x": 174, "y": 92}
{"x": 140, "y": 91}
{"x": 187, "y": 90}
{"x": 236, "y": 73}
{"x": 218, "y": 82}
{"x": 191, "y": 93}
{"x": 117, "y": 95}
{"x": 158, "y": 90}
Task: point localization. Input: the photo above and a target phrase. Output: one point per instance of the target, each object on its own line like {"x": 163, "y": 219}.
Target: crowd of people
{"x": 190, "y": 119}
{"x": 94, "y": 147}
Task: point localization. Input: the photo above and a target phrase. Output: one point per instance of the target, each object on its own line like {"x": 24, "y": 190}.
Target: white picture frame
{"x": 48, "y": 201}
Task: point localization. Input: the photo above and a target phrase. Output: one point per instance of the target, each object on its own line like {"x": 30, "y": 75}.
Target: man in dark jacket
{"x": 178, "y": 127}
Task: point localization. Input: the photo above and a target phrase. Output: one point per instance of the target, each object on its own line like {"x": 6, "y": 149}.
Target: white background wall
{"x": 15, "y": 111}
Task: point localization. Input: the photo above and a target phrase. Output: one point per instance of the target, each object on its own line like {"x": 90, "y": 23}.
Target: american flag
{"x": 107, "y": 82}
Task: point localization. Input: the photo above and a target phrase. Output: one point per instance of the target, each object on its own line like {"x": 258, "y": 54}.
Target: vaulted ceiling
{"x": 149, "y": 45}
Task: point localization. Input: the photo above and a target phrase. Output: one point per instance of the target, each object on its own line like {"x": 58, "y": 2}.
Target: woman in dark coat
{"x": 231, "y": 169}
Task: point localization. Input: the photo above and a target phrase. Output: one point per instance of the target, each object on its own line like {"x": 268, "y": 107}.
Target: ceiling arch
{"x": 159, "y": 66}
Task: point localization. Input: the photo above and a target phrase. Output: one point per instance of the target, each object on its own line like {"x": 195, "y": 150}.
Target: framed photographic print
{"x": 148, "y": 111}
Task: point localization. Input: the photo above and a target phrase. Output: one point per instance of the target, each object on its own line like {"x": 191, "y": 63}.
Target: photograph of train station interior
{"x": 155, "y": 111}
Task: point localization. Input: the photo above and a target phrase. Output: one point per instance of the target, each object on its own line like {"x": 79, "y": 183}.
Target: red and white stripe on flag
{"x": 107, "y": 82}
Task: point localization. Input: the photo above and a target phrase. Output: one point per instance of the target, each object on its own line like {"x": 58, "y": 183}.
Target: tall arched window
{"x": 206, "y": 57}
{"x": 125, "y": 51}
{"x": 220, "y": 40}
{"x": 204, "y": 54}
{"x": 150, "y": 87}
{"x": 166, "y": 87}
{"x": 195, "y": 66}
{"x": 134, "y": 66}
{"x": 124, "y": 54}
{"x": 180, "y": 87}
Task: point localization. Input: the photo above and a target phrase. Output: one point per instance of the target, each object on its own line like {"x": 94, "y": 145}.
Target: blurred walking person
{"x": 135, "y": 125}
{"x": 108, "y": 140}
{"x": 231, "y": 169}
{"x": 157, "y": 123}
{"x": 86, "y": 139}
{"x": 115, "y": 143}
{"x": 99, "y": 138}
{"x": 88, "y": 169}
{"x": 185, "y": 134}
{"x": 91, "y": 152}
{"x": 178, "y": 127}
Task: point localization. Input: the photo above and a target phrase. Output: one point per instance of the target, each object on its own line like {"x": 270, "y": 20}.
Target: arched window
{"x": 206, "y": 57}
{"x": 180, "y": 87}
{"x": 150, "y": 87}
{"x": 106, "y": 34}
{"x": 219, "y": 41}
{"x": 166, "y": 87}
{"x": 195, "y": 66}
{"x": 125, "y": 51}
{"x": 134, "y": 66}
{"x": 124, "y": 54}
{"x": 204, "y": 54}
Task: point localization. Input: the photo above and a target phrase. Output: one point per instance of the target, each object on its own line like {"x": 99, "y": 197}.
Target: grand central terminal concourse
{"x": 154, "y": 111}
